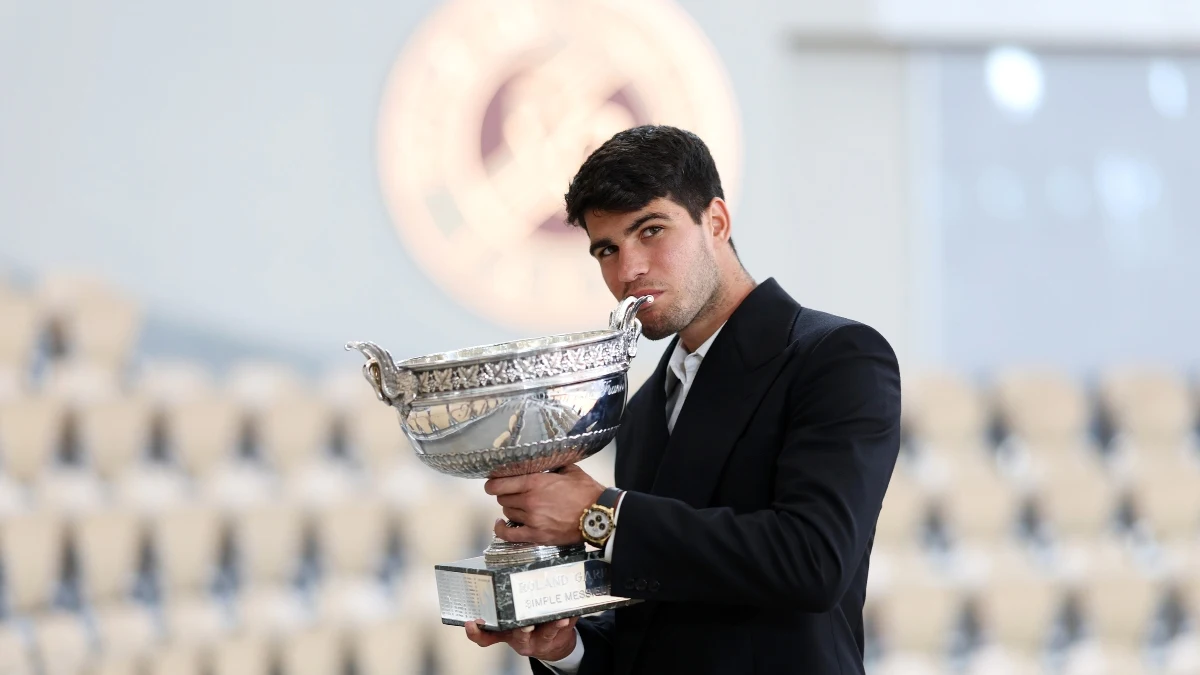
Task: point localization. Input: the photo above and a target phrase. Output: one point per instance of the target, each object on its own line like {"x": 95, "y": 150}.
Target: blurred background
{"x": 199, "y": 205}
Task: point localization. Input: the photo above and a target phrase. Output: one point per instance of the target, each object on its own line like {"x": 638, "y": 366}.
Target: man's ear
{"x": 718, "y": 216}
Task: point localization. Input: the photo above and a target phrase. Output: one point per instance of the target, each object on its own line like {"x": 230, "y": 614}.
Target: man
{"x": 752, "y": 464}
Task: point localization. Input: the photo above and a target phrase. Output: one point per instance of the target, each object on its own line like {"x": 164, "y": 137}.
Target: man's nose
{"x": 632, "y": 266}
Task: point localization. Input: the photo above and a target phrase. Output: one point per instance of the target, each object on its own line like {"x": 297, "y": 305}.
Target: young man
{"x": 752, "y": 464}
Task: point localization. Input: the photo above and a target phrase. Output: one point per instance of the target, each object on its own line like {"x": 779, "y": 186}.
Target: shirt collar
{"x": 675, "y": 369}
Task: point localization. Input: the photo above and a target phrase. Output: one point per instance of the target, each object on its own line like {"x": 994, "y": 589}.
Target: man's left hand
{"x": 548, "y": 505}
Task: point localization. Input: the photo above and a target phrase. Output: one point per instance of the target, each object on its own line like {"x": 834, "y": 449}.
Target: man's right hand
{"x": 547, "y": 641}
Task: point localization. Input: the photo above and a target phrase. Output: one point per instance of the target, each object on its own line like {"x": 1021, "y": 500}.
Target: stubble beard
{"x": 703, "y": 291}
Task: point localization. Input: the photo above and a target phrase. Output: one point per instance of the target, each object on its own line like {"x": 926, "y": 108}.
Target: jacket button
{"x": 629, "y": 584}
{"x": 654, "y": 585}
{"x": 641, "y": 585}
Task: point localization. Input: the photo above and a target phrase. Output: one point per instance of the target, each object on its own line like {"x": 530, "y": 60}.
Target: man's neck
{"x": 705, "y": 325}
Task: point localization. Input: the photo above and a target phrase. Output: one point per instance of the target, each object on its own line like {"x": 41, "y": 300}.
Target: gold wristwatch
{"x": 599, "y": 520}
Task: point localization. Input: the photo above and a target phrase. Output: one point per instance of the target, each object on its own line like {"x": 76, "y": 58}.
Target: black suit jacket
{"x": 747, "y": 531}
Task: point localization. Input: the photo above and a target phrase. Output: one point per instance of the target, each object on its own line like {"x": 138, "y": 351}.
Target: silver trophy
{"x": 506, "y": 410}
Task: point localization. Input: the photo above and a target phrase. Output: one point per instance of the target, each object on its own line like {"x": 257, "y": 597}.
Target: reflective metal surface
{"x": 513, "y": 408}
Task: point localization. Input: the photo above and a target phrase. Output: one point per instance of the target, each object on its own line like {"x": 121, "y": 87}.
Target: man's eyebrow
{"x": 630, "y": 229}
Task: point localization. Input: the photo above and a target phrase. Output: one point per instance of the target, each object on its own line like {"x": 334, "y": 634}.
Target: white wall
{"x": 218, "y": 161}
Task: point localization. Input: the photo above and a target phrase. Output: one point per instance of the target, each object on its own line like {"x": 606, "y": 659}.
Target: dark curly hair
{"x": 642, "y": 164}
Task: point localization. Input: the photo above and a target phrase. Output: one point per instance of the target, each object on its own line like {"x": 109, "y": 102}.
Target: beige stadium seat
{"x": 168, "y": 383}
{"x": 203, "y": 432}
{"x": 241, "y": 655}
{"x": 353, "y": 601}
{"x": 270, "y": 540}
{"x": 175, "y": 660}
{"x": 1001, "y": 661}
{"x": 31, "y": 430}
{"x": 126, "y": 633}
{"x": 905, "y": 509}
{"x": 917, "y": 612}
{"x": 910, "y": 663}
{"x": 1119, "y": 602}
{"x": 314, "y": 651}
{"x": 1074, "y": 495}
{"x": 256, "y": 384}
{"x": 33, "y": 549}
{"x": 16, "y": 657}
{"x": 233, "y": 487}
{"x": 103, "y": 329}
{"x": 944, "y": 412}
{"x": 63, "y": 644}
{"x": 193, "y": 621}
{"x": 14, "y": 383}
{"x": 455, "y": 655}
{"x": 1046, "y": 409}
{"x": 187, "y": 540}
{"x": 1100, "y": 659}
{"x": 353, "y": 535}
{"x": 23, "y": 324}
{"x": 108, "y": 543}
{"x": 442, "y": 524}
{"x": 319, "y": 484}
{"x": 151, "y": 488}
{"x": 1149, "y": 407}
{"x": 81, "y": 382}
{"x": 273, "y": 611}
{"x": 395, "y": 647}
{"x": 1166, "y": 492}
{"x": 374, "y": 432}
{"x": 115, "y": 433}
{"x": 70, "y": 490}
{"x": 294, "y": 430}
{"x": 978, "y": 502}
{"x": 1018, "y": 605}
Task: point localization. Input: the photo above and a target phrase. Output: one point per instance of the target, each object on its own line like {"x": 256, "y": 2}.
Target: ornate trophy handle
{"x": 393, "y": 385}
{"x": 624, "y": 319}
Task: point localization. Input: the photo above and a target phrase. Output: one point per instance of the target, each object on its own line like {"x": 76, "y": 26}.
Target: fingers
{"x": 517, "y": 501}
{"x": 476, "y": 634}
{"x": 517, "y": 535}
{"x": 548, "y": 631}
{"x": 506, "y": 486}
{"x": 518, "y": 515}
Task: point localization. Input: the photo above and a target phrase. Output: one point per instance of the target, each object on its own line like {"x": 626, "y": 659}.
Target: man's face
{"x": 658, "y": 250}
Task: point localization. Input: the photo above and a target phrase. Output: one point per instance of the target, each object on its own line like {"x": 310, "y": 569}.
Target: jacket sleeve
{"x": 840, "y": 446}
{"x": 596, "y": 632}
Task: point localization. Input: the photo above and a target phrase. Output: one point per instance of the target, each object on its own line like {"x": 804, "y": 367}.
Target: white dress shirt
{"x": 681, "y": 373}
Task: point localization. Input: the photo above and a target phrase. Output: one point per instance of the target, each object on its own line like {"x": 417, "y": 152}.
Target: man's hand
{"x": 547, "y": 642}
{"x": 547, "y": 504}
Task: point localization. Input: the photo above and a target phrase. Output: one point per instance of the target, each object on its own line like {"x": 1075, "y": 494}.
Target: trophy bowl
{"x": 513, "y": 408}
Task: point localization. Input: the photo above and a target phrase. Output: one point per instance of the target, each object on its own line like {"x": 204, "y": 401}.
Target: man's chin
{"x": 656, "y": 333}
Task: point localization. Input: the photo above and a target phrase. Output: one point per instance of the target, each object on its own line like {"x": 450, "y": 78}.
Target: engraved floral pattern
{"x": 525, "y": 368}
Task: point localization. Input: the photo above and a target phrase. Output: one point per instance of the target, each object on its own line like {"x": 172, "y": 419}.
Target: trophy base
{"x": 511, "y": 596}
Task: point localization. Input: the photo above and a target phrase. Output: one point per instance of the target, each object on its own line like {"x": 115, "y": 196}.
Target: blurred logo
{"x": 489, "y": 112}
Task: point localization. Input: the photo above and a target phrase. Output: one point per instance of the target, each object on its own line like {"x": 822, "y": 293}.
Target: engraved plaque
{"x": 553, "y": 590}
{"x": 466, "y": 597}
{"x": 511, "y": 596}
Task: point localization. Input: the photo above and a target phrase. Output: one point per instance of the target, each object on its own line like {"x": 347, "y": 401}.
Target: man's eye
{"x": 605, "y": 252}
{"x": 651, "y": 231}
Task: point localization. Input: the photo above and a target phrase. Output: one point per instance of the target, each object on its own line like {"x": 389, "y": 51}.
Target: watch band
{"x": 608, "y": 498}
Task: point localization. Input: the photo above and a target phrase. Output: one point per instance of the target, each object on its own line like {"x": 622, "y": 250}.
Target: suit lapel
{"x": 740, "y": 366}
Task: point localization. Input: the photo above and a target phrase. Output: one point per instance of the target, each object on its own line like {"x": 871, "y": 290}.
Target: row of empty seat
{"x": 158, "y": 517}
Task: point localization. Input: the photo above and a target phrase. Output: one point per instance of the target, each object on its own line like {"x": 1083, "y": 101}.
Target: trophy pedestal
{"x": 515, "y": 595}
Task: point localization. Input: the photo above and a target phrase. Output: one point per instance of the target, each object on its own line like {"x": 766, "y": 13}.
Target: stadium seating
{"x": 161, "y": 517}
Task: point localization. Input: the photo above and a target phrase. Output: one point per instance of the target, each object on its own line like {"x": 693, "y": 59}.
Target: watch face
{"x": 597, "y": 524}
